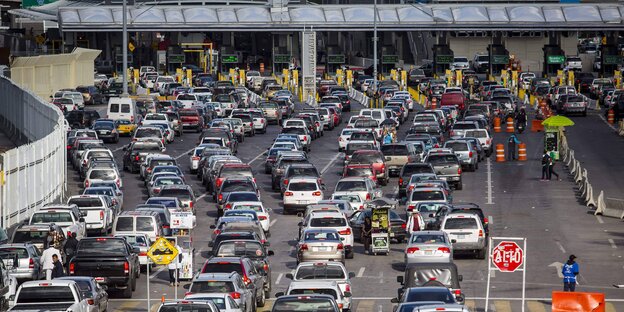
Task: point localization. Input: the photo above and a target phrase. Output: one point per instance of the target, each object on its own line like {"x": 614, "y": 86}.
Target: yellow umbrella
{"x": 557, "y": 121}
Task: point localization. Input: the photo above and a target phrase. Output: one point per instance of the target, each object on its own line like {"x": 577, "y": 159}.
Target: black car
{"x": 409, "y": 169}
{"x": 135, "y": 152}
{"x": 397, "y": 225}
{"x": 431, "y": 274}
{"x": 91, "y": 95}
{"x": 252, "y": 249}
{"x": 115, "y": 89}
{"x": 461, "y": 208}
{"x": 298, "y": 170}
{"x": 82, "y": 118}
{"x": 106, "y": 130}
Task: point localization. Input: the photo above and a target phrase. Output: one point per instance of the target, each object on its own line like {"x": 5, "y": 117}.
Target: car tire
{"x": 480, "y": 254}
{"x": 262, "y": 301}
{"x": 400, "y": 240}
{"x": 459, "y": 186}
{"x": 476, "y": 166}
{"x": 127, "y": 293}
{"x": 349, "y": 255}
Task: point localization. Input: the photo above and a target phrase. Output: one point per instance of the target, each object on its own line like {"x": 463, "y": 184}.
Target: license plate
{"x": 428, "y": 252}
{"x": 302, "y": 202}
{"x": 391, "y": 234}
{"x": 321, "y": 248}
{"x": 99, "y": 279}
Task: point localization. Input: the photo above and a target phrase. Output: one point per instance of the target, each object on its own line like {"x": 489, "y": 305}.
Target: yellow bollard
{"x": 233, "y": 75}
{"x": 349, "y": 80}
{"x": 179, "y": 75}
{"x": 242, "y": 76}
{"x": 135, "y": 74}
{"x": 570, "y": 78}
{"x": 189, "y": 77}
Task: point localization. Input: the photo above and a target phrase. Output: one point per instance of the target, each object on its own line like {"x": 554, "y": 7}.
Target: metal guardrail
{"x": 34, "y": 173}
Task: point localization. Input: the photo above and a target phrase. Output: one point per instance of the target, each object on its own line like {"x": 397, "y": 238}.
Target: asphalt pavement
{"x": 517, "y": 203}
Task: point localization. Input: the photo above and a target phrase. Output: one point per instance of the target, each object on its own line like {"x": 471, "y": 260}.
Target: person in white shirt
{"x": 174, "y": 268}
{"x": 47, "y": 263}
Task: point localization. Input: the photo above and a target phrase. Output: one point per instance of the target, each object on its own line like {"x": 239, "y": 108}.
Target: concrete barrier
{"x": 589, "y": 198}
{"x": 609, "y": 208}
{"x": 577, "y": 302}
{"x": 570, "y": 159}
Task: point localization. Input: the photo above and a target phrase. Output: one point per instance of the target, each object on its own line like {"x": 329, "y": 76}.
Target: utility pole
{"x": 124, "y": 48}
{"x": 374, "y": 50}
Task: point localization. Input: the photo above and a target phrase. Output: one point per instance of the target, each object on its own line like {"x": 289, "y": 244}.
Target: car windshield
{"x": 104, "y": 174}
{"x": 460, "y": 223}
{"x": 302, "y": 186}
{"x": 10, "y": 252}
{"x": 352, "y": 147}
{"x": 222, "y": 267}
{"x": 443, "y": 295}
{"x": 476, "y": 133}
{"x": 461, "y": 126}
{"x": 322, "y": 236}
{"x": 426, "y": 207}
{"x": 328, "y": 222}
{"x": 356, "y": 186}
{"x": 457, "y": 146}
{"x": 352, "y": 198}
{"x": 102, "y": 246}
{"x": 305, "y": 304}
{"x": 175, "y": 192}
{"x": 51, "y": 217}
{"x": 320, "y": 271}
{"x": 86, "y": 202}
{"x": 168, "y": 181}
{"x": 212, "y": 286}
{"x": 237, "y": 186}
{"x": 441, "y": 159}
{"x": 362, "y": 136}
{"x": 367, "y": 158}
{"x": 236, "y": 197}
{"x": 359, "y": 172}
{"x": 46, "y": 294}
{"x": 240, "y": 249}
{"x": 307, "y": 171}
{"x": 428, "y": 239}
{"x": 314, "y": 291}
{"x": 427, "y": 195}
{"x": 394, "y": 150}
{"x": 34, "y": 237}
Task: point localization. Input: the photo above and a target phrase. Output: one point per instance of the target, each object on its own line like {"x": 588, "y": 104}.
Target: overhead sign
{"x": 308, "y": 64}
{"x": 183, "y": 220}
{"x": 611, "y": 59}
{"x": 555, "y": 59}
{"x": 229, "y": 58}
{"x": 444, "y": 59}
{"x": 162, "y": 251}
{"x": 507, "y": 256}
{"x": 336, "y": 59}
{"x": 33, "y": 3}
{"x": 177, "y": 59}
{"x": 281, "y": 58}
{"x": 389, "y": 59}
{"x": 500, "y": 59}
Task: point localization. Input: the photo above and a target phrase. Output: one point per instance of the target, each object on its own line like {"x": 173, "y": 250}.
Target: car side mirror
{"x": 271, "y": 253}
{"x": 400, "y": 280}
{"x": 394, "y": 300}
{"x": 210, "y": 244}
{"x": 460, "y": 278}
{"x": 300, "y": 224}
{"x": 136, "y": 250}
{"x": 351, "y": 275}
{"x": 212, "y": 227}
{"x": 81, "y": 220}
{"x": 279, "y": 294}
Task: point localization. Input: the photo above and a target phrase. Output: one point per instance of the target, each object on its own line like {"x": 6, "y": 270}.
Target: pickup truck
{"x": 110, "y": 260}
{"x": 446, "y": 166}
{"x": 271, "y": 111}
{"x": 55, "y": 295}
{"x": 99, "y": 216}
{"x": 396, "y": 155}
{"x": 69, "y": 218}
{"x": 190, "y": 118}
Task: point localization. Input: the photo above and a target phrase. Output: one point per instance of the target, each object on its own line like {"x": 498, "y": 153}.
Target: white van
{"x": 375, "y": 113}
{"x": 121, "y": 109}
{"x": 138, "y": 222}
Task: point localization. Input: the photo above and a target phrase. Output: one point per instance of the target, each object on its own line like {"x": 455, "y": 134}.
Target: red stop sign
{"x": 507, "y": 256}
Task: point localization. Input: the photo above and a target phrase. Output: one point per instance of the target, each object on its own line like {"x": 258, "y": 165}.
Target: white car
{"x": 364, "y": 187}
{"x": 484, "y": 139}
{"x": 259, "y": 121}
{"x": 325, "y": 271}
{"x": 331, "y": 288}
{"x": 301, "y": 192}
{"x": 187, "y": 100}
{"x": 76, "y": 96}
{"x": 460, "y": 62}
{"x": 334, "y": 220}
{"x": 466, "y": 232}
{"x": 223, "y": 301}
{"x": 343, "y": 138}
{"x": 195, "y": 156}
{"x": 98, "y": 174}
{"x": 356, "y": 202}
{"x": 99, "y": 217}
{"x": 429, "y": 195}
{"x": 161, "y": 82}
{"x": 151, "y": 118}
{"x": 44, "y": 295}
{"x": 68, "y": 217}
{"x": 258, "y": 207}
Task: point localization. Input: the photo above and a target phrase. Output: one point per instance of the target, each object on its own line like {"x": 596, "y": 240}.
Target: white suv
{"x": 466, "y": 233}
{"x": 301, "y": 192}
{"x": 334, "y": 220}
{"x": 364, "y": 187}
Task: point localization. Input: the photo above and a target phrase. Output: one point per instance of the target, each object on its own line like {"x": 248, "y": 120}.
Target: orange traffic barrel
{"x": 497, "y": 124}
{"x": 611, "y": 117}
{"x": 510, "y": 125}
{"x": 500, "y": 153}
{"x": 522, "y": 154}
{"x": 434, "y": 103}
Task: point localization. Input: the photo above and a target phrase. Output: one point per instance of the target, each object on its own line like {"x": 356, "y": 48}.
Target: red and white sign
{"x": 507, "y": 256}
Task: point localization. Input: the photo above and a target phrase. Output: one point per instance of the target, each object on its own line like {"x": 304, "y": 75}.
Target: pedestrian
{"x": 366, "y": 233}
{"x": 545, "y": 166}
{"x": 551, "y": 169}
{"x": 521, "y": 120}
{"x": 47, "y": 261}
{"x": 174, "y": 268}
{"x": 70, "y": 247}
{"x": 415, "y": 222}
{"x": 570, "y": 270}
{"x": 511, "y": 147}
{"x": 57, "y": 271}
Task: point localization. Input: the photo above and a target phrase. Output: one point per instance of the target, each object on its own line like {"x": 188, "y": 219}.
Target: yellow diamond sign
{"x": 162, "y": 251}
{"x": 131, "y": 47}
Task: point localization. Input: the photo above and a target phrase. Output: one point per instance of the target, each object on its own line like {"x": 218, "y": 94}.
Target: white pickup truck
{"x": 99, "y": 216}
{"x": 55, "y": 295}
{"x": 68, "y": 217}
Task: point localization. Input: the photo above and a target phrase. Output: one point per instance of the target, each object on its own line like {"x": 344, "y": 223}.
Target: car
{"x": 99, "y": 209}
{"x": 298, "y": 170}
{"x": 572, "y": 104}
{"x": 302, "y": 191}
{"x": 397, "y": 224}
{"x": 446, "y": 166}
{"x": 428, "y": 247}
{"x": 283, "y": 161}
{"x": 331, "y": 220}
{"x": 320, "y": 244}
{"x": 330, "y": 288}
{"x": 68, "y": 217}
{"x": 106, "y": 130}
{"x": 467, "y": 233}
{"x": 364, "y": 187}
{"x": 432, "y": 295}
{"x": 305, "y": 303}
{"x": 224, "y": 302}
{"x": 257, "y": 206}
{"x": 324, "y": 271}
{"x": 36, "y": 234}
{"x": 28, "y": 267}
{"x": 252, "y": 249}
{"x": 187, "y": 305}
{"x": 97, "y": 297}
{"x": 135, "y": 153}
{"x": 431, "y": 275}
{"x": 252, "y": 279}
{"x": 465, "y": 153}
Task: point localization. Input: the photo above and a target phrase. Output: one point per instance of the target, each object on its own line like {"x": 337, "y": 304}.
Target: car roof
{"x": 215, "y": 276}
{"x": 312, "y": 284}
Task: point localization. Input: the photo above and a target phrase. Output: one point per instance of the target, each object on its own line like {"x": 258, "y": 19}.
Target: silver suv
{"x": 446, "y": 166}
{"x": 466, "y": 233}
{"x": 231, "y": 283}
{"x": 464, "y": 152}
{"x": 27, "y": 267}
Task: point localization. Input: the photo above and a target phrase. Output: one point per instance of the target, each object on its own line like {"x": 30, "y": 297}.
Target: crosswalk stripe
{"x": 536, "y": 306}
{"x": 129, "y": 306}
{"x": 471, "y": 305}
{"x": 609, "y": 307}
{"x": 365, "y": 306}
{"x": 502, "y": 306}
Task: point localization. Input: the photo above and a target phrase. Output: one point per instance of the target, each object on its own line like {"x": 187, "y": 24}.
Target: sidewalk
{"x": 601, "y": 151}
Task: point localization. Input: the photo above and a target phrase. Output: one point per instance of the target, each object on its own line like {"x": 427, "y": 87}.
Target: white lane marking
{"x": 184, "y": 154}
{"x": 607, "y": 123}
{"x": 489, "y": 182}
{"x": 158, "y": 272}
{"x": 255, "y": 158}
{"x": 330, "y": 163}
{"x": 279, "y": 278}
{"x": 360, "y": 272}
{"x": 118, "y": 149}
{"x": 560, "y": 247}
{"x": 599, "y": 218}
{"x": 201, "y": 196}
{"x": 490, "y": 220}
{"x": 557, "y": 266}
{"x": 272, "y": 222}
{"x": 618, "y": 199}
{"x": 613, "y": 245}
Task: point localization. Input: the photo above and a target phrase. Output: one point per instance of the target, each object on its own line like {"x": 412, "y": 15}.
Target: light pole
{"x": 124, "y": 48}
{"x": 374, "y": 50}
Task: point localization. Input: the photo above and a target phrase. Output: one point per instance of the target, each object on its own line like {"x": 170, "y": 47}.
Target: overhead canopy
{"x": 469, "y": 17}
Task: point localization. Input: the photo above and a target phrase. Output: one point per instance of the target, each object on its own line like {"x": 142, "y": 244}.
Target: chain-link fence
{"x": 34, "y": 173}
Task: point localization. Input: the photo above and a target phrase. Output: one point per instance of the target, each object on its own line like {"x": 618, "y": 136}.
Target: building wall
{"x": 528, "y": 50}
{"x": 468, "y": 46}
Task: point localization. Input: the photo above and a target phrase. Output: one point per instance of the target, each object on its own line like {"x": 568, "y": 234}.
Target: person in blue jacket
{"x": 511, "y": 147}
{"x": 570, "y": 270}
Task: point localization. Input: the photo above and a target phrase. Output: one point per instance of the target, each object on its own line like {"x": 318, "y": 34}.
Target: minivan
{"x": 138, "y": 222}
{"x": 121, "y": 108}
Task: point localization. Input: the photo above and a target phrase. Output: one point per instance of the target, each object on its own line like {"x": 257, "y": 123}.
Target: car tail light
{"x": 31, "y": 263}
{"x": 262, "y": 217}
{"x": 137, "y": 158}
{"x": 305, "y": 138}
{"x": 444, "y": 249}
{"x": 411, "y": 187}
{"x": 411, "y": 207}
{"x": 217, "y": 232}
{"x": 457, "y": 292}
{"x": 288, "y": 193}
{"x": 317, "y": 193}
{"x": 86, "y": 183}
{"x": 118, "y": 182}
{"x": 345, "y": 232}
{"x": 412, "y": 250}
{"x": 261, "y": 121}
{"x": 72, "y": 268}
{"x": 69, "y": 146}
{"x": 486, "y": 220}
{"x": 101, "y": 214}
{"x": 219, "y": 181}
{"x": 157, "y": 191}
{"x": 126, "y": 267}
{"x": 131, "y": 119}
{"x": 368, "y": 196}
{"x": 285, "y": 181}
{"x": 400, "y": 181}
{"x": 303, "y": 247}
{"x": 470, "y": 154}
{"x": 220, "y": 197}
{"x": 166, "y": 226}
{"x": 383, "y": 168}
{"x": 459, "y": 171}
{"x": 480, "y": 233}
{"x": 228, "y": 206}
{"x": 235, "y": 295}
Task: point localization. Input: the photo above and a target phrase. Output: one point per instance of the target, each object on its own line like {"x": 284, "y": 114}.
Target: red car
{"x": 360, "y": 170}
{"x": 455, "y": 99}
{"x": 372, "y": 158}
